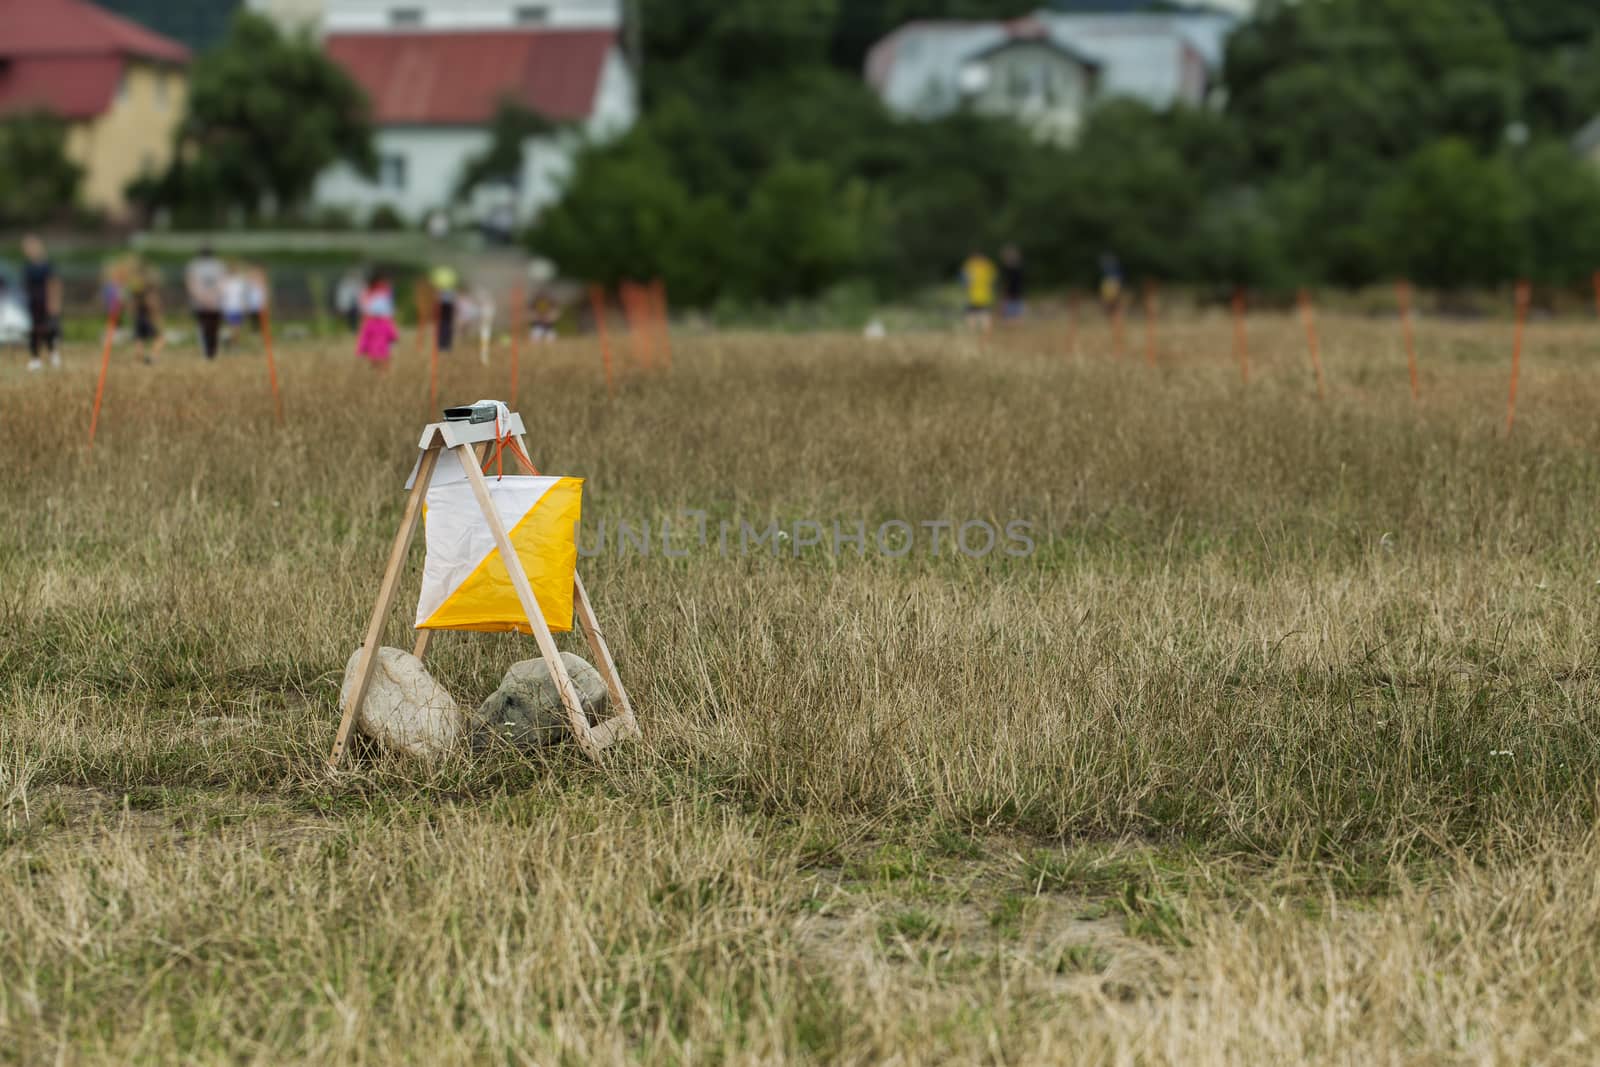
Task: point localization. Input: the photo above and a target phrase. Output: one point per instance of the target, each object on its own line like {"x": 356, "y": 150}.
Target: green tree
{"x": 1560, "y": 202}
{"x": 268, "y": 112}
{"x": 1387, "y": 75}
{"x": 806, "y": 231}
{"x": 38, "y": 181}
{"x": 1126, "y": 188}
{"x": 1452, "y": 217}
{"x": 512, "y": 127}
{"x": 626, "y": 217}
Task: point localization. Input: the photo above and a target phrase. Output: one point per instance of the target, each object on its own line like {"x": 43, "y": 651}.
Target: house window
{"x": 392, "y": 172}
{"x": 1019, "y": 84}
{"x": 405, "y": 16}
{"x": 532, "y": 15}
{"x": 161, "y": 91}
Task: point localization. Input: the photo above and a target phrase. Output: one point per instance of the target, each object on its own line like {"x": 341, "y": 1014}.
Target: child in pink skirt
{"x": 378, "y": 334}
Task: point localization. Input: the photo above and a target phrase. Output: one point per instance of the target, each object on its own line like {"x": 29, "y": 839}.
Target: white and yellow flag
{"x": 465, "y": 585}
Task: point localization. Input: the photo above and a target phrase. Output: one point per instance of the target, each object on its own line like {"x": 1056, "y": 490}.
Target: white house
{"x": 932, "y": 67}
{"x": 437, "y": 72}
{"x": 1161, "y": 59}
{"x": 376, "y": 16}
{"x": 1031, "y": 78}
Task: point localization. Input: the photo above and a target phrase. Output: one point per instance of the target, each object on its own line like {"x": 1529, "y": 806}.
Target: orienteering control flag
{"x": 465, "y": 585}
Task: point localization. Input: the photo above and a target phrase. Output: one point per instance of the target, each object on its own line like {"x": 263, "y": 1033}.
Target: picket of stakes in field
{"x": 1306, "y": 308}
{"x": 644, "y": 308}
{"x": 644, "y": 312}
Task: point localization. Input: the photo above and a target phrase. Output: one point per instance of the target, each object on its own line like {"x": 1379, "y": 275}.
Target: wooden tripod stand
{"x": 466, "y": 441}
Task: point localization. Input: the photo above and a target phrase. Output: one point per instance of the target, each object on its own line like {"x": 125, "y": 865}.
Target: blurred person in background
{"x": 234, "y": 286}
{"x": 1011, "y": 283}
{"x": 546, "y": 319}
{"x": 1110, "y": 283}
{"x": 445, "y": 281}
{"x": 378, "y": 333}
{"x": 255, "y": 296}
{"x": 203, "y": 279}
{"x": 144, "y": 292}
{"x": 978, "y": 276}
{"x": 41, "y": 287}
{"x": 347, "y": 299}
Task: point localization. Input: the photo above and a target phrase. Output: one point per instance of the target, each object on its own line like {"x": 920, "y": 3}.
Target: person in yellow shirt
{"x": 445, "y": 283}
{"x": 978, "y": 275}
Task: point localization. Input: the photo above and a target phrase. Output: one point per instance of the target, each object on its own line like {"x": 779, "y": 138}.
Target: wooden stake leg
{"x": 623, "y": 724}
{"x": 629, "y": 726}
{"x": 386, "y": 594}
{"x": 579, "y": 724}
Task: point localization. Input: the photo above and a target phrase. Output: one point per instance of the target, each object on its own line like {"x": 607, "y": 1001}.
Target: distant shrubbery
{"x": 37, "y": 179}
{"x": 1360, "y": 140}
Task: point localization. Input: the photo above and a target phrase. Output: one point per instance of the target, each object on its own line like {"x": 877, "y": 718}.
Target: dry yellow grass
{"x": 1281, "y": 746}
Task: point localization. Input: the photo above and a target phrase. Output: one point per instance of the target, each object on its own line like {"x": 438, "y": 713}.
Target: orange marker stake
{"x": 1241, "y": 342}
{"x": 112, "y": 318}
{"x": 1310, "y": 318}
{"x": 628, "y": 297}
{"x": 597, "y": 300}
{"x": 423, "y": 299}
{"x": 272, "y": 364}
{"x": 1150, "y": 323}
{"x": 1524, "y": 297}
{"x": 433, "y": 367}
{"x": 518, "y": 305}
{"x": 1411, "y": 347}
{"x": 1072, "y": 323}
{"x": 658, "y": 293}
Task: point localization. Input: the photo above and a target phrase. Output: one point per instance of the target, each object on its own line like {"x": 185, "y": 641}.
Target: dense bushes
{"x": 1353, "y": 140}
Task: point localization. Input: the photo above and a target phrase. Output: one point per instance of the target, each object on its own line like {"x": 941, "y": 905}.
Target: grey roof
{"x": 1048, "y": 42}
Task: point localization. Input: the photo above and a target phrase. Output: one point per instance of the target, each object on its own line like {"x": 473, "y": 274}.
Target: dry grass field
{"x": 1281, "y": 746}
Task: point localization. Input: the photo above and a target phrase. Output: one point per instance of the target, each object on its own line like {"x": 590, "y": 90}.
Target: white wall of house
{"x": 1161, "y": 59}
{"x": 374, "y": 16}
{"x": 616, "y": 100}
{"x": 1038, "y": 86}
{"x": 420, "y": 165}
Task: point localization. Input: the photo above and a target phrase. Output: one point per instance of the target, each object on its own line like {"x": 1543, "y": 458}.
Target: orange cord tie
{"x": 498, "y": 457}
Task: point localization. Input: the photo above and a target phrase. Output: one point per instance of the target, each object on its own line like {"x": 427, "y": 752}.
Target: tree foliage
{"x": 268, "y": 112}
{"x": 501, "y": 161}
{"x": 1350, "y": 141}
{"x": 38, "y": 181}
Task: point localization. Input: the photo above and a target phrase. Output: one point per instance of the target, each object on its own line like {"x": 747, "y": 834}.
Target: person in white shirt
{"x": 203, "y": 278}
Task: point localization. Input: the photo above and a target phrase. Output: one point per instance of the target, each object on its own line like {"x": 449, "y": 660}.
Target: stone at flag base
{"x": 406, "y": 711}
{"x": 526, "y": 710}
{"x": 465, "y": 584}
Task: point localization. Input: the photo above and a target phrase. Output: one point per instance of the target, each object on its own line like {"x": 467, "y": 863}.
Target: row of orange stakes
{"x": 644, "y": 308}
{"x": 1307, "y": 311}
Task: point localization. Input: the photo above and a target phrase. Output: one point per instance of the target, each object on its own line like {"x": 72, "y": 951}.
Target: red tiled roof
{"x": 38, "y": 28}
{"x": 67, "y": 56}
{"x": 460, "y": 78}
{"x": 73, "y": 87}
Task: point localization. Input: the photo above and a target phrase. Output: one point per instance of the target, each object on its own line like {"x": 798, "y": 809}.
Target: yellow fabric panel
{"x": 546, "y": 542}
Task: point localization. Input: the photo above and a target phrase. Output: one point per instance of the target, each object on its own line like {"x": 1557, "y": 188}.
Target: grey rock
{"x": 526, "y": 710}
